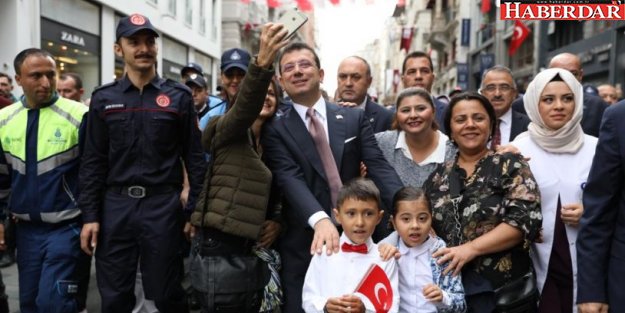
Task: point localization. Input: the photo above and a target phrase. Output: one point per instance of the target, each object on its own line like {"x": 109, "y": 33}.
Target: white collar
{"x": 363, "y": 104}
{"x": 319, "y": 106}
{"x": 418, "y": 250}
{"x": 506, "y": 118}
{"x": 437, "y": 156}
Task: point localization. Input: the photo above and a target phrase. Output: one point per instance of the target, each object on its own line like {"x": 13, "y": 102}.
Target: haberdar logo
{"x": 562, "y": 10}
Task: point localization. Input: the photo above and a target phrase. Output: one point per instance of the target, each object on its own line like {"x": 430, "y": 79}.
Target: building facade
{"x": 80, "y": 34}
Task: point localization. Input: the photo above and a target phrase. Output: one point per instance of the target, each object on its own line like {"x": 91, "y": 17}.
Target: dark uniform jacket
{"x": 239, "y": 186}
{"x": 139, "y": 138}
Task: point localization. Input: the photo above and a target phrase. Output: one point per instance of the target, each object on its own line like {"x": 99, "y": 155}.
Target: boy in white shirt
{"x": 331, "y": 281}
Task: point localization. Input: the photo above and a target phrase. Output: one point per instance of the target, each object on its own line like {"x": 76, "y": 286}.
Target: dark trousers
{"x": 149, "y": 231}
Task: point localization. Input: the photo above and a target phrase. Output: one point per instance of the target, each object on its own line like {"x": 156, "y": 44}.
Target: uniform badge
{"x": 163, "y": 101}
{"x": 235, "y": 56}
{"x": 137, "y": 19}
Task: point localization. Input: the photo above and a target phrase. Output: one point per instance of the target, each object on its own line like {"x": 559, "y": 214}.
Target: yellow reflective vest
{"x": 40, "y": 160}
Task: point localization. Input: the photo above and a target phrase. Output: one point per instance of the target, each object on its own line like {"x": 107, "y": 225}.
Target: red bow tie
{"x": 361, "y": 248}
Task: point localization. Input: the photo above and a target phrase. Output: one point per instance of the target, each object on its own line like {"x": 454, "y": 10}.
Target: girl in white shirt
{"x": 422, "y": 285}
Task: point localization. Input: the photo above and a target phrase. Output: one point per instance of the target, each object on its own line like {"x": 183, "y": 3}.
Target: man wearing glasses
{"x": 500, "y": 89}
{"x": 312, "y": 148}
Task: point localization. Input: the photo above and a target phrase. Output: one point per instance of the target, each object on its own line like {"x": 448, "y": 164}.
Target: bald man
{"x": 353, "y": 81}
{"x": 593, "y": 105}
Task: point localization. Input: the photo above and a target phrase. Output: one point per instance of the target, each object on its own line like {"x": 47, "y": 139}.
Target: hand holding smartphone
{"x": 292, "y": 21}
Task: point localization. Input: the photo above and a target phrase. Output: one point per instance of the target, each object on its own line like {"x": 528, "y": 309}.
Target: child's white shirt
{"x": 340, "y": 273}
{"x": 415, "y": 273}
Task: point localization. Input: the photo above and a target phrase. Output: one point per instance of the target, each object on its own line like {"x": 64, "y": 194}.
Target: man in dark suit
{"x": 300, "y": 166}
{"x": 418, "y": 71}
{"x": 353, "y": 81}
{"x": 593, "y": 105}
{"x": 601, "y": 238}
{"x": 500, "y": 89}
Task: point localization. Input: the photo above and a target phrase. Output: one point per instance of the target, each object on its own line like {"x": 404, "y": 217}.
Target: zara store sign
{"x": 72, "y": 38}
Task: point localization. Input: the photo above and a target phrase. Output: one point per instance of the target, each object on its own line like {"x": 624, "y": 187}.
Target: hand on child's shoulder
{"x": 388, "y": 251}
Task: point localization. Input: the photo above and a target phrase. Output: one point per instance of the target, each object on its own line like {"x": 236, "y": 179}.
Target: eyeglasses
{"x": 303, "y": 65}
{"x": 502, "y": 88}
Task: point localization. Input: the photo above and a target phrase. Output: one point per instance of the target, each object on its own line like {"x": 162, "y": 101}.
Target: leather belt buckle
{"x": 136, "y": 192}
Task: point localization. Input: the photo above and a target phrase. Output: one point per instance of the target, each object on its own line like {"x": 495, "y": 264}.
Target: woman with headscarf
{"x": 560, "y": 158}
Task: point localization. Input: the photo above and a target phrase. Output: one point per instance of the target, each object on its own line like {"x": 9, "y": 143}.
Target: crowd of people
{"x": 458, "y": 200}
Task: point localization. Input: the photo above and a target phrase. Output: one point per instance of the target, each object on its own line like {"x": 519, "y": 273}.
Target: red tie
{"x": 361, "y": 248}
{"x": 496, "y": 141}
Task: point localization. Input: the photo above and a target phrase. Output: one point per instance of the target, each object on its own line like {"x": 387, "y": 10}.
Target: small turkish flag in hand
{"x": 518, "y": 36}
{"x": 377, "y": 288}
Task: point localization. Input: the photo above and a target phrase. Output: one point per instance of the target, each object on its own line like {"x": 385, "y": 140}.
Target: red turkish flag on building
{"x": 485, "y": 6}
{"x": 273, "y": 4}
{"x": 518, "y": 36}
{"x": 406, "y": 38}
{"x": 377, "y": 288}
{"x": 335, "y": 2}
{"x": 246, "y": 1}
{"x": 304, "y": 5}
{"x": 401, "y": 3}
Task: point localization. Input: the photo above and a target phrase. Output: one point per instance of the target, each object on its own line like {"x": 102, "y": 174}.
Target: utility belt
{"x": 138, "y": 192}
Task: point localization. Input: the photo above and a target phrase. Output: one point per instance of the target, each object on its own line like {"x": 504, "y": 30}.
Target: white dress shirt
{"x": 437, "y": 156}
{"x": 416, "y": 272}
{"x": 340, "y": 274}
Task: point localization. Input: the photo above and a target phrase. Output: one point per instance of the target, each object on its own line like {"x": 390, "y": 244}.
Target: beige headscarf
{"x": 570, "y": 137}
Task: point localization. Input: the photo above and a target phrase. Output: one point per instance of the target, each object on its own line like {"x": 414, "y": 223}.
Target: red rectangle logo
{"x": 562, "y": 10}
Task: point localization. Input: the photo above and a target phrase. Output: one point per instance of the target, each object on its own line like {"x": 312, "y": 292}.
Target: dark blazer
{"x": 379, "y": 117}
{"x": 519, "y": 124}
{"x": 591, "y": 119}
{"x": 601, "y": 238}
{"x": 291, "y": 155}
{"x": 441, "y": 108}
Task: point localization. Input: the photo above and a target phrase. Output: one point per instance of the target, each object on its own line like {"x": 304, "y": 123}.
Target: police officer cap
{"x": 129, "y": 25}
{"x": 591, "y": 89}
{"x": 196, "y": 80}
{"x": 235, "y": 58}
{"x": 193, "y": 67}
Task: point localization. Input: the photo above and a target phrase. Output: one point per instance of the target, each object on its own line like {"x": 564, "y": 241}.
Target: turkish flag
{"x": 485, "y": 6}
{"x": 518, "y": 36}
{"x": 401, "y": 3}
{"x": 406, "y": 38}
{"x": 246, "y": 1}
{"x": 273, "y": 4}
{"x": 377, "y": 288}
{"x": 335, "y": 2}
{"x": 304, "y": 5}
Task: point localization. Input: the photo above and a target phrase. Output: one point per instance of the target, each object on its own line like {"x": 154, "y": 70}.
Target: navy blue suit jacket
{"x": 601, "y": 238}
{"x": 293, "y": 159}
{"x": 591, "y": 119}
{"x": 379, "y": 117}
{"x": 519, "y": 124}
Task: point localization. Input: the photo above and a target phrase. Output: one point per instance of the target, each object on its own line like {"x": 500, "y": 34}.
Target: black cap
{"x": 192, "y": 66}
{"x": 129, "y": 25}
{"x": 235, "y": 58}
{"x": 197, "y": 80}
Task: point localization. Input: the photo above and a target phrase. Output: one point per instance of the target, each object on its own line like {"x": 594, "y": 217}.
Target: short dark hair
{"x": 466, "y": 96}
{"x": 362, "y": 189}
{"x": 410, "y": 193}
{"x": 19, "y": 59}
{"x": 7, "y": 76}
{"x": 75, "y": 77}
{"x": 414, "y": 55}
{"x": 409, "y": 92}
{"x": 296, "y": 46}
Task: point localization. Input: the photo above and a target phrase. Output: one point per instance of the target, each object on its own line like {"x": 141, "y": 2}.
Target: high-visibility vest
{"x": 39, "y": 160}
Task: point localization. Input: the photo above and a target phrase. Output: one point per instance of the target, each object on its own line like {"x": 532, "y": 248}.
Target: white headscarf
{"x": 570, "y": 137}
